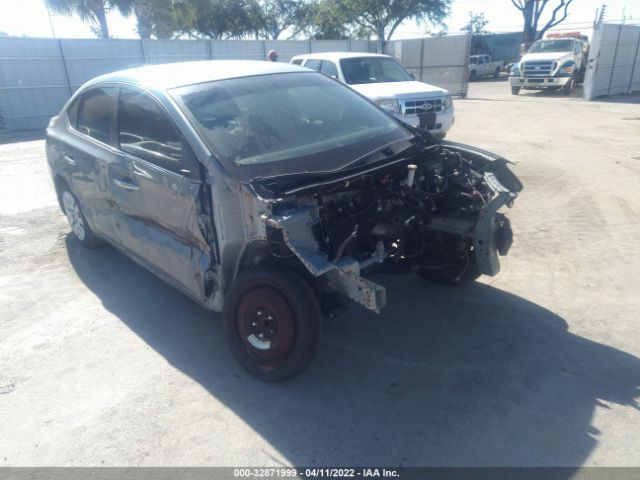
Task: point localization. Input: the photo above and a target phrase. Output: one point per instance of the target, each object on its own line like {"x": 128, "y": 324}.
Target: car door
{"x": 87, "y": 152}
{"x": 156, "y": 190}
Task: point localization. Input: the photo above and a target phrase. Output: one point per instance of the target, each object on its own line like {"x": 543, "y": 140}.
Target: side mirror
{"x": 413, "y": 77}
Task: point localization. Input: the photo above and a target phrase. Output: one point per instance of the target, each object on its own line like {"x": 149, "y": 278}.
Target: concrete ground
{"x": 103, "y": 364}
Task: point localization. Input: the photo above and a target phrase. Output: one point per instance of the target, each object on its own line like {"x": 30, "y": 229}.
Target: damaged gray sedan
{"x": 270, "y": 192}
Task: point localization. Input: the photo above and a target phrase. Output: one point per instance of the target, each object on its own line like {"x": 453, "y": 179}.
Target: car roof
{"x": 337, "y": 55}
{"x": 170, "y": 75}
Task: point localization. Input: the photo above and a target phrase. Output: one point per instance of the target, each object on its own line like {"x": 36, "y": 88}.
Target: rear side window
{"x": 313, "y": 64}
{"x": 146, "y": 131}
{"x": 297, "y": 61}
{"x": 329, "y": 69}
{"x": 95, "y": 113}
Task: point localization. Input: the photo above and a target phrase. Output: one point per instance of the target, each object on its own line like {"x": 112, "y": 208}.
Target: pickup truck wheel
{"x": 515, "y": 90}
{"x": 273, "y": 322}
{"x": 77, "y": 221}
{"x": 472, "y": 76}
{"x": 496, "y": 74}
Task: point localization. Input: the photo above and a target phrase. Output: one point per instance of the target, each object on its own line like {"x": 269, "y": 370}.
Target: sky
{"x": 29, "y": 17}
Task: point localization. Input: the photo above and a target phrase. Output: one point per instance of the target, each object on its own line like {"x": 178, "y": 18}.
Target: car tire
{"x": 515, "y": 90}
{"x": 457, "y": 276}
{"x": 273, "y": 322}
{"x": 77, "y": 220}
{"x": 472, "y": 76}
{"x": 496, "y": 74}
{"x": 568, "y": 87}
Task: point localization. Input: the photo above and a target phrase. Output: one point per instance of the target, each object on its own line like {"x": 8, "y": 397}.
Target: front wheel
{"x": 568, "y": 87}
{"x": 515, "y": 90}
{"x": 273, "y": 322}
{"x": 496, "y": 74}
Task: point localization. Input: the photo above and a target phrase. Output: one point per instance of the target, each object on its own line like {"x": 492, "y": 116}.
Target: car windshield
{"x": 307, "y": 119}
{"x": 551, "y": 46}
{"x": 373, "y": 70}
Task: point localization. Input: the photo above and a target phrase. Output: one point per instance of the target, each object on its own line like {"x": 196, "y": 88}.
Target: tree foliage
{"x": 383, "y": 17}
{"x": 532, "y": 11}
{"x": 476, "y": 27}
{"x": 218, "y": 18}
{"x": 153, "y": 17}
{"x": 93, "y": 12}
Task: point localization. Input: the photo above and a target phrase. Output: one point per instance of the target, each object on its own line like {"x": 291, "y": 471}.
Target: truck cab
{"x": 556, "y": 62}
{"x": 481, "y": 65}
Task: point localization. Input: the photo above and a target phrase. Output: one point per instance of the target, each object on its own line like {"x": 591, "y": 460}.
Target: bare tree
{"x": 532, "y": 11}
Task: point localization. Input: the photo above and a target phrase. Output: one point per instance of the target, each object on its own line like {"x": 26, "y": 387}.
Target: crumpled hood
{"x": 400, "y": 90}
{"x": 550, "y": 56}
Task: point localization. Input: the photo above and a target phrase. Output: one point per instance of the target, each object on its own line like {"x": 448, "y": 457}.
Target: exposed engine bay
{"x": 435, "y": 213}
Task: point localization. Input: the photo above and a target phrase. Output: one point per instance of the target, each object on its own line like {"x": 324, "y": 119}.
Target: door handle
{"x": 68, "y": 159}
{"x": 126, "y": 185}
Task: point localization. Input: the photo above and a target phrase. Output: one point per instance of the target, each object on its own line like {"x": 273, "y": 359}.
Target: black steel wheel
{"x": 273, "y": 322}
{"x": 515, "y": 90}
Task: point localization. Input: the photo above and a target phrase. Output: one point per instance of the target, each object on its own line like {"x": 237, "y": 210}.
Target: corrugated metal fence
{"x": 441, "y": 61}
{"x": 37, "y": 76}
{"x": 614, "y": 61}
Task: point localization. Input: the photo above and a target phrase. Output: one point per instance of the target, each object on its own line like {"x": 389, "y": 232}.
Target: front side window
{"x": 95, "y": 113}
{"x": 373, "y": 70}
{"x": 266, "y": 119}
{"x": 474, "y": 60}
{"x": 146, "y": 131}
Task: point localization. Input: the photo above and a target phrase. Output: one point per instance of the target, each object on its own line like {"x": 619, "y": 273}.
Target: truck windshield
{"x": 551, "y": 46}
{"x": 373, "y": 70}
{"x": 474, "y": 60}
{"x": 289, "y": 118}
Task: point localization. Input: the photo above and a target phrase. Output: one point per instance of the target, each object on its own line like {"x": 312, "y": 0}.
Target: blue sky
{"x": 29, "y": 17}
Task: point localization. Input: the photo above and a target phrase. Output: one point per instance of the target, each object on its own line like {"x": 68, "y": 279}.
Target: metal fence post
{"x": 210, "y": 44}
{"x": 64, "y": 67}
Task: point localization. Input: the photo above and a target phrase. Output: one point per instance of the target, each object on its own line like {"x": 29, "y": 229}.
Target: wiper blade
{"x": 385, "y": 150}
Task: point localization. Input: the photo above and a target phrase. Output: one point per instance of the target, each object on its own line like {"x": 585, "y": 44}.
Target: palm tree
{"x": 93, "y": 12}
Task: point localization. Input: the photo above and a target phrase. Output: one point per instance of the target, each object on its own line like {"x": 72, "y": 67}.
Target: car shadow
{"x": 443, "y": 377}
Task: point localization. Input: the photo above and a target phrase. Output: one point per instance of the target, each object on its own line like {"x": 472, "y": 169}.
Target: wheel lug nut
{"x": 259, "y": 313}
{"x": 254, "y": 324}
{"x": 261, "y": 335}
{"x": 270, "y": 317}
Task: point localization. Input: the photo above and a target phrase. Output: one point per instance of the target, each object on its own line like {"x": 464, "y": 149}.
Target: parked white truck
{"x": 481, "y": 65}
{"x": 550, "y": 63}
{"x": 383, "y": 80}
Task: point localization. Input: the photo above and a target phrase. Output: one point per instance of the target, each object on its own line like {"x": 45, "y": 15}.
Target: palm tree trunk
{"x": 101, "y": 15}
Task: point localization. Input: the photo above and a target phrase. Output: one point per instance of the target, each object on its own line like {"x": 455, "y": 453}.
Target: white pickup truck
{"x": 481, "y": 65}
{"x": 550, "y": 63}
{"x": 382, "y": 79}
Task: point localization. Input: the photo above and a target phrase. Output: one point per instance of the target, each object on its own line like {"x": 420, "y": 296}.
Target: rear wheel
{"x": 515, "y": 90}
{"x": 77, "y": 221}
{"x": 496, "y": 74}
{"x": 273, "y": 322}
{"x": 472, "y": 76}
